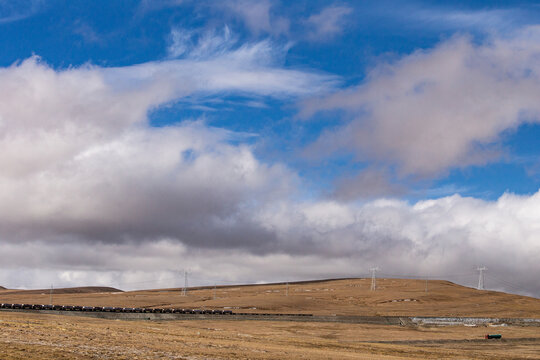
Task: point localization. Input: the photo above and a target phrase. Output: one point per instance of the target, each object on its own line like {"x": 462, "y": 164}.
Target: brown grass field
{"x": 40, "y": 336}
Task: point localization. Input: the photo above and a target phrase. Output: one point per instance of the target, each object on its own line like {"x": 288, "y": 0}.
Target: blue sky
{"x": 354, "y": 118}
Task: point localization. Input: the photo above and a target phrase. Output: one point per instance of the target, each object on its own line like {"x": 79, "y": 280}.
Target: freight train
{"x": 112, "y": 309}
{"x": 134, "y": 310}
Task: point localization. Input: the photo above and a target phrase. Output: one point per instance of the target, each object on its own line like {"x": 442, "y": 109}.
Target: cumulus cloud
{"x": 77, "y": 144}
{"x": 450, "y": 235}
{"x": 440, "y": 108}
{"x": 83, "y": 170}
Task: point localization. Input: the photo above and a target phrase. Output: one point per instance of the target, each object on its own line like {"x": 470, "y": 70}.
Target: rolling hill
{"x": 327, "y": 297}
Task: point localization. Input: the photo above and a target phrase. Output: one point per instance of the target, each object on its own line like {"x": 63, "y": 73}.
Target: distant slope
{"x": 2, "y": 288}
{"x": 74, "y": 290}
{"x": 398, "y": 297}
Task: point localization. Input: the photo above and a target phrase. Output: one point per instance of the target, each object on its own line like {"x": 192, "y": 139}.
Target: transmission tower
{"x": 184, "y": 291}
{"x": 481, "y": 277}
{"x": 373, "y": 278}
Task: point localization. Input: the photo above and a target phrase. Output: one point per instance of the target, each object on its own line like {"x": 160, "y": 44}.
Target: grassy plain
{"x": 39, "y": 336}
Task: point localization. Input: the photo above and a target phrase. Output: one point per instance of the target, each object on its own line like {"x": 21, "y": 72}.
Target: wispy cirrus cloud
{"x": 258, "y": 16}
{"x": 11, "y": 11}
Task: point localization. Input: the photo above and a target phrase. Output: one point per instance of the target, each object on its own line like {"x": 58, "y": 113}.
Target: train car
{"x": 107, "y": 309}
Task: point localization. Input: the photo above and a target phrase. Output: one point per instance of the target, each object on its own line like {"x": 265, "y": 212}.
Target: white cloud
{"x": 213, "y": 66}
{"x": 200, "y": 45}
{"x": 11, "y": 11}
{"x": 441, "y": 108}
{"x": 328, "y": 23}
{"x": 484, "y": 19}
{"x": 450, "y": 235}
{"x": 257, "y": 16}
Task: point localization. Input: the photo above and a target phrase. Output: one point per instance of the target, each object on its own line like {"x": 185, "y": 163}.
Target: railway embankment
{"x": 376, "y": 320}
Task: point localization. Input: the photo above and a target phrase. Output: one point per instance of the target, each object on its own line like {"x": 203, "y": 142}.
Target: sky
{"x": 258, "y": 141}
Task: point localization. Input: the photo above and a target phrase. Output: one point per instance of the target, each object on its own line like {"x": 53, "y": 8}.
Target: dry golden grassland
{"x": 40, "y": 336}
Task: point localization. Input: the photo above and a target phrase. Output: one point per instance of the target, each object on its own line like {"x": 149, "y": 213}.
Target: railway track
{"x": 125, "y": 313}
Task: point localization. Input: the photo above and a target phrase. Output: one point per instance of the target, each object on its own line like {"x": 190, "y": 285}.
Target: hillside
{"x": 340, "y": 297}
{"x": 64, "y": 291}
